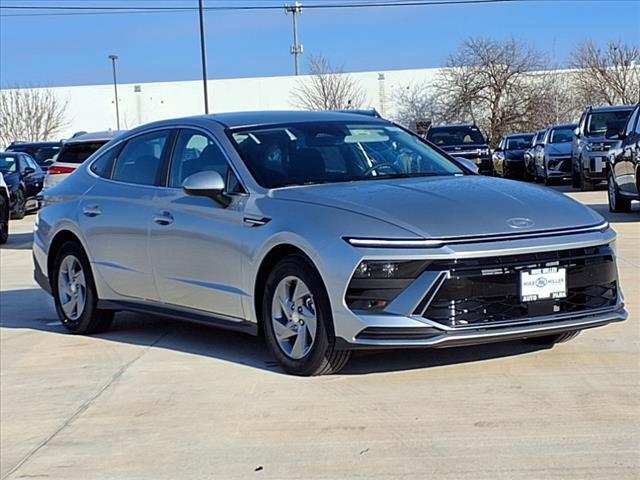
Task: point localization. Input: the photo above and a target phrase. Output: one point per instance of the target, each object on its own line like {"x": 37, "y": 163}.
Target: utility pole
{"x": 296, "y": 48}
{"x": 115, "y": 89}
{"x": 203, "y": 54}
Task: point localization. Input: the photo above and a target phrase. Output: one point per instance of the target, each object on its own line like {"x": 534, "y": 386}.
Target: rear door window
{"x": 141, "y": 158}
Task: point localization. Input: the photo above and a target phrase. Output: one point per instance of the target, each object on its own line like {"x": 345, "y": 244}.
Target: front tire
{"x": 585, "y": 185}
{"x": 297, "y": 320}
{"x": 617, "y": 203}
{"x": 74, "y": 292}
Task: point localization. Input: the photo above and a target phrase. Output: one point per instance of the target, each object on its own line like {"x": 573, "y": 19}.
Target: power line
{"x": 69, "y": 10}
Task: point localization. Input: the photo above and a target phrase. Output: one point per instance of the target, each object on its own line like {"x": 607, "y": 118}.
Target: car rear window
{"x": 458, "y": 135}
{"x": 78, "y": 152}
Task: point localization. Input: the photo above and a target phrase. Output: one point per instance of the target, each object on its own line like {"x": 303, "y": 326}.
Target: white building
{"x": 92, "y": 108}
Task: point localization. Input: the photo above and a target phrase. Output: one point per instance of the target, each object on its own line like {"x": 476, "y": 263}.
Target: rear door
{"x": 196, "y": 243}
{"x": 116, "y": 213}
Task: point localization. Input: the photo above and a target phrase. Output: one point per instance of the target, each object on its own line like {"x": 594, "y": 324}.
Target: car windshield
{"x": 8, "y": 164}
{"x": 460, "y": 135}
{"x": 78, "y": 152}
{"x": 327, "y": 152}
{"x": 561, "y": 135}
{"x": 521, "y": 142}
{"x": 599, "y": 122}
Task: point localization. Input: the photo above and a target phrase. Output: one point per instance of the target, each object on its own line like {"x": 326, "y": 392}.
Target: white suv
{"x": 74, "y": 152}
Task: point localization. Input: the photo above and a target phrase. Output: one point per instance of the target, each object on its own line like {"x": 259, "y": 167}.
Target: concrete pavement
{"x": 156, "y": 399}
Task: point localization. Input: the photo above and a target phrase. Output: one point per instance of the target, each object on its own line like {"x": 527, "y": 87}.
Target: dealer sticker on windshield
{"x": 543, "y": 284}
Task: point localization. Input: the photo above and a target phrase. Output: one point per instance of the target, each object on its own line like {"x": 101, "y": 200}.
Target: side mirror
{"x": 29, "y": 171}
{"x": 468, "y": 163}
{"x": 206, "y": 184}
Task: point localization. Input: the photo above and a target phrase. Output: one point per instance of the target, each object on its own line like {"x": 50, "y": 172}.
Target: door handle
{"x": 163, "y": 218}
{"x": 91, "y": 211}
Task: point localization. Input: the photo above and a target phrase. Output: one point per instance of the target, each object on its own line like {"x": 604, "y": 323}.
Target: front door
{"x": 196, "y": 243}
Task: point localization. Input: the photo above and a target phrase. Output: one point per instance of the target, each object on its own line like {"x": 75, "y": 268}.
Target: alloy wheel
{"x": 294, "y": 318}
{"x": 72, "y": 287}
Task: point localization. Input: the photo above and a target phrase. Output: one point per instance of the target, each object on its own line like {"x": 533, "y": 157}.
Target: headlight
{"x": 376, "y": 283}
{"x": 393, "y": 242}
{"x": 388, "y": 269}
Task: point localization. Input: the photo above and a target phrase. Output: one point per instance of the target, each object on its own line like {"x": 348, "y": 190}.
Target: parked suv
{"x": 44, "y": 153}
{"x": 623, "y": 179}
{"x": 324, "y": 231}
{"x": 464, "y": 141}
{"x": 553, "y": 158}
{"x": 590, "y": 149}
{"x": 75, "y": 151}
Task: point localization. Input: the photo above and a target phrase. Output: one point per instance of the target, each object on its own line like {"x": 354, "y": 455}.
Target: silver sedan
{"x": 325, "y": 232}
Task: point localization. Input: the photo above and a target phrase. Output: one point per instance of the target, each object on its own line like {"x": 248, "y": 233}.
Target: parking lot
{"x": 157, "y": 399}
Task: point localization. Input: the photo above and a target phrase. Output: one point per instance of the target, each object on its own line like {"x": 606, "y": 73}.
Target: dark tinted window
{"x": 521, "y": 142}
{"x": 42, "y": 155}
{"x": 561, "y": 135}
{"x": 104, "y": 164}
{"x": 459, "y": 135}
{"x": 78, "y": 152}
{"x": 631, "y": 122}
{"x": 8, "y": 163}
{"x": 140, "y": 160}
{"x": 30, "y": 163}
{"x": 600, "y": 122}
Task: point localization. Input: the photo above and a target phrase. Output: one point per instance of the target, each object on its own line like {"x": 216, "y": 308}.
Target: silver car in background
{"x": 553, "y": 154}
{"x": 325, "y": 232}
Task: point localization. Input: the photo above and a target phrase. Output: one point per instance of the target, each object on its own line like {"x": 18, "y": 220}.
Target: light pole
{"x": 296, "y": 48}
{"x": 115, "y": 89}
{"x": 203, "y": 54}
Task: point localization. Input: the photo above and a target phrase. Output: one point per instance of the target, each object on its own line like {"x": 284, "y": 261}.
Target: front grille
{"x": 561, "y": 164}
{"x": 486, "y": 291}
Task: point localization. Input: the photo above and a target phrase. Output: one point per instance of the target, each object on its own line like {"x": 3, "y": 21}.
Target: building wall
{"x": 91, "y": 108}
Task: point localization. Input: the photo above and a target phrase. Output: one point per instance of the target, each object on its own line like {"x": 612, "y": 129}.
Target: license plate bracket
{"x": 543, "y": 284}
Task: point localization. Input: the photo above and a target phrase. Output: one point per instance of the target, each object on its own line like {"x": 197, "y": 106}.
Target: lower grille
{"x": 486, "y": 291}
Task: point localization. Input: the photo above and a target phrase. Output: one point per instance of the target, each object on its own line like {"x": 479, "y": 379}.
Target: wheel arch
{"x": 59, "y": 239}
{"x": 272, "y": 257}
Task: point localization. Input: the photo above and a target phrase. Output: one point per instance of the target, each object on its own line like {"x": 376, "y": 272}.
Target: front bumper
{"x": 594, "y": 165}
{"x": 429, "y": 312}
{"x": 558, "y": 167}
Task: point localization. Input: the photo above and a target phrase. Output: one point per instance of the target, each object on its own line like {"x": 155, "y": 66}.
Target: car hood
{"x": 450, "y": 206}
{"x": 558, "y": 148}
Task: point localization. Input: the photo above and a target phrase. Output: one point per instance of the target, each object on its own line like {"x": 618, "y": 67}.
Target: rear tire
{"x": 296, "y": 304}
{"x": 553, "y": 339}
{"x": 20, "y": 209}
{"x": 72, "y": 281}
{"x": 617, "y": 203}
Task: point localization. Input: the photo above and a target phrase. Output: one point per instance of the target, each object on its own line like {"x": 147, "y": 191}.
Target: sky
{"x": 73, "y": 49}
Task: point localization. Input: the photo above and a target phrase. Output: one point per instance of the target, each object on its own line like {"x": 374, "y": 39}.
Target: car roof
{"x": 511, "y": 135}
{"x": 95, "y": 136}
{"x": 35, "y": 144}
{"x": 612, "y": 108}
{"x": 564, "y": 125}
{"x": 470, "y": 125}
{"x": 261, "y": 118}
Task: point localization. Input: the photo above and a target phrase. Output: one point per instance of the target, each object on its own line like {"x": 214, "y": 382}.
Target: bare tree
{"x": 417, "y": 103}
{"x": 30, "y": 114}
{"x": 327, "y": 88}
{"x": 610, "y": 76}
{"x": 489, "y": 83}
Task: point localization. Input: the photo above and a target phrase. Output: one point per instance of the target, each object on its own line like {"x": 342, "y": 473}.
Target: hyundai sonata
{"x": 325, "y": 232}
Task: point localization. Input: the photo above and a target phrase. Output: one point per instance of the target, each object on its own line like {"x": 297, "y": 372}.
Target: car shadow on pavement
{"x": 33, "y": 309}
{"x": 18, "y": 241}
{"x": 611, "y": 217}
